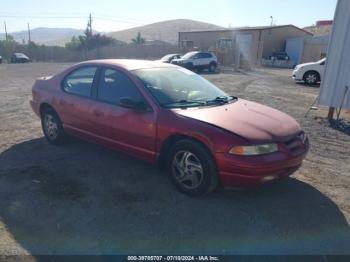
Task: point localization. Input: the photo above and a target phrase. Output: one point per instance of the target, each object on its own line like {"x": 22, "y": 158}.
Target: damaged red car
{"x": 166, "y": 114}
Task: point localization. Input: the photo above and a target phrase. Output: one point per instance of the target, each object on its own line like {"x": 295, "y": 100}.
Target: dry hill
{"x": 166, "y": 31}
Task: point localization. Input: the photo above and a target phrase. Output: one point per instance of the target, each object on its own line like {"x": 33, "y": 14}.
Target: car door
{"x": 205, "y": 59}
{"x": 75, "y": 100}
{"x": 126, "y": 129}
{"x": 199, "y": 61}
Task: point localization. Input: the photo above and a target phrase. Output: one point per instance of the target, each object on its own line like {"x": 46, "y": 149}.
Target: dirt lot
{"x": 82, "y": 198}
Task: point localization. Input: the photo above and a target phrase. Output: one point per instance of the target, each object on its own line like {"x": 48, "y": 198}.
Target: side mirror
{"x": 133, "y": 104}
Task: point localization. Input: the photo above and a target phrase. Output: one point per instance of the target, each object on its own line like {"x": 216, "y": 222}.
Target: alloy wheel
{"x": 311, "y": 79}
{"x": 212, "y": 68}
{"x": 187, "y": 169}
{"x": 51, "y": 127}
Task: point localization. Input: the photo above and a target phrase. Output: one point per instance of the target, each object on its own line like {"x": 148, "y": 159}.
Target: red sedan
{"x": 167, "y": 114}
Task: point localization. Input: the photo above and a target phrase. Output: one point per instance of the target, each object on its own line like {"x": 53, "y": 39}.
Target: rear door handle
{"x": 98, "y": 113}
{"x": 65, "y": 103}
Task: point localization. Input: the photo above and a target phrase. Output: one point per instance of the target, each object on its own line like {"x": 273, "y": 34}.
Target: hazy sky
{"x": 113, "y": 15}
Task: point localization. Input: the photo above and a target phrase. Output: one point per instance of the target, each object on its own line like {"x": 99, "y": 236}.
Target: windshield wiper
{"x": 184, "y": 103}
{"x": 221, "y": 100}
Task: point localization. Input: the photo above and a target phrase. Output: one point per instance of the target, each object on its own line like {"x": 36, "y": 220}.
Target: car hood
{"x": 306, "y": 64}
{"x": 250, "y": 120}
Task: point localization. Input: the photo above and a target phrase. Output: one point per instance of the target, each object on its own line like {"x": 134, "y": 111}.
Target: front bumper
{"x": 297, "y": 75}
{"x": 252, "y": 171}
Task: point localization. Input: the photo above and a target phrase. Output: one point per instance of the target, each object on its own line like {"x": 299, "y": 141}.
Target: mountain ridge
{"x": 165, "y": 31}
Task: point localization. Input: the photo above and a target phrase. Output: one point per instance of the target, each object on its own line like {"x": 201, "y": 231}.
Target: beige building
{"x": 254, "y": 43}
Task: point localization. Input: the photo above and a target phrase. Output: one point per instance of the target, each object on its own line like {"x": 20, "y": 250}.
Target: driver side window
{"x": 115, "y": 85}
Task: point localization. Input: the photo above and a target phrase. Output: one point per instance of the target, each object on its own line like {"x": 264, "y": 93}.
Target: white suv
{"x": 198, "y": 61}
{"x": 310, "y": 73}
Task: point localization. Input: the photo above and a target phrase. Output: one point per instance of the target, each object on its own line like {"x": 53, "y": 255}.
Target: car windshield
{"x": 179, "y": 87}
{"x": 189, "y": 55}
{"x": 167, "y": 57}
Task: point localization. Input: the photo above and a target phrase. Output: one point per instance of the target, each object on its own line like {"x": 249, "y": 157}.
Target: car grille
{"x": 297, "y": 144}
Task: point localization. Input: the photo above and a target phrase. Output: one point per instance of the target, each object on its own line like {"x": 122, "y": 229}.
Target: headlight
{"x": 254, "y": 150}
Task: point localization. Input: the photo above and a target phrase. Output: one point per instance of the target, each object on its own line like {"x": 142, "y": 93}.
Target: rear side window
{"x": 80, "y": 81}
{"x": 206, "y": 55}
{"x": 115, "y": 85}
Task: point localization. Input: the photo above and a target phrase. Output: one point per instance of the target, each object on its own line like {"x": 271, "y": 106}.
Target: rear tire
{"x": 192, "y": 168}
{"x": 311, "y": 78}
{"x": 212, "y": 68}
{"x": 52, "y": 127}
{"x": 189, "y": 66}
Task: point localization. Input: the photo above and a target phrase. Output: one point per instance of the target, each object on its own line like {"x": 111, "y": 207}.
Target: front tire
{"x": 52, "y": 127}
{"x": 311, "y": 78}
{"x": 192, "y": 168}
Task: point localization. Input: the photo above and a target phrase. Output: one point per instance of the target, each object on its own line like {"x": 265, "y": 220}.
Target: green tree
{"x": 74, "y": 44}
{"x": 10, "y": 38}
{"x": 89, "y": 40}
{"x": 138, "y": 40}
{"x": 8, "y": 47}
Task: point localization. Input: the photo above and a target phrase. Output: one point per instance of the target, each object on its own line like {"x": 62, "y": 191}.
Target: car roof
{"x": 200, "y": 52}
{"x": 20, "y": 54}
{"x": 128, "y": 64}
{"x": 193, "y": 52}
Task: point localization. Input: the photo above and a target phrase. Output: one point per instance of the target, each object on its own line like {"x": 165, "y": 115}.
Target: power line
{"x": 72, "y": 16}
{"x": 116, "y": 20}
{"x": 119, "y": 18}
{"x": 43, "y": 17}
{"x": 58, "y": 16}
{"x": 98, "y": 18}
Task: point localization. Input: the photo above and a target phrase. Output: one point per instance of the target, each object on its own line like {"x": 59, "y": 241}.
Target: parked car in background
{"x": 310, "y": 73}
{"x": 198, "y": 60}
{"x": 0, "y": 59}
{"x": 169, "y": 115}
{"x": 19, "y": 58}
{"x": 169, "y": 58}
{"x": 279, "y": 56}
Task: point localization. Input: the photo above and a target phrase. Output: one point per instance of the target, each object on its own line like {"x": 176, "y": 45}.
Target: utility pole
{"x": 271, "y": 17}
{"x": 90, "y": 24}
{"x": 29, "y": 39}
{"x": 5, "y": 31}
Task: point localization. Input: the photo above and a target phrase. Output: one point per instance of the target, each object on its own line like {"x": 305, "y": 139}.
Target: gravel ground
{"x": 84, "y": 199}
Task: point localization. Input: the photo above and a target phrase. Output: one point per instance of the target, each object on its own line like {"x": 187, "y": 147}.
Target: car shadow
{"x": 301, "y": 83}
{"x": 341, "y": 125}
{"x": 217, "y": 72}
{"x": 83, "y": 199}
